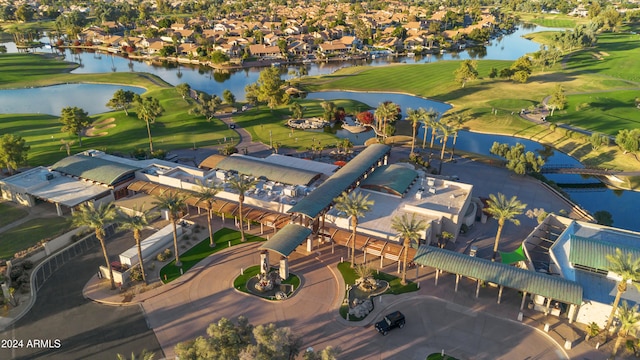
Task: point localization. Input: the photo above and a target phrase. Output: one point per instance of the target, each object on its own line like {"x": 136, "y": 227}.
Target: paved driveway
{"x": 86, "y": 330}
{"x": 205, "y": 295}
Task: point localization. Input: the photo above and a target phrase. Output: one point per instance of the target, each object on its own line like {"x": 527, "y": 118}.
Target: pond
{"x": 507, "y": 47}
{"x": 51, "y": 99}
{"x": 617, "y": 202}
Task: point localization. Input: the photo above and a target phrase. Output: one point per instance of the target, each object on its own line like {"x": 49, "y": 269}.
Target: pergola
{"x": 481, "y": 270}
{"x": 221, "y": 206}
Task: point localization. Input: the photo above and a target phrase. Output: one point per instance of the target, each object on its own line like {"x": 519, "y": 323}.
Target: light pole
{"x": 270, "y": 139}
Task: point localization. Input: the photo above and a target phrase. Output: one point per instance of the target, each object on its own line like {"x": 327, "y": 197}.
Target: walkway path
{"x": 246, "y": 145}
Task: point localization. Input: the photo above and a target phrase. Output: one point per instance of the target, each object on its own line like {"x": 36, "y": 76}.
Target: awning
{"x": 285, "y": 241}
{"x": 513, "y": 257}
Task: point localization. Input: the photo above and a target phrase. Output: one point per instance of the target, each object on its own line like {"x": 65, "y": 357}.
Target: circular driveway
{"x": 205, "y": 294}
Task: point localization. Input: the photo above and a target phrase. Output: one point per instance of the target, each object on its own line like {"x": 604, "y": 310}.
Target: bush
{"x": 163, "y": 256}
{"x": 27, "y": 265}
{"x": 16, "y": 273}
{"x": 25, "y": 288}
{"x": 135, "y": 274}
{"x": 23, "y": 279}
{"x": 185, "y": 237}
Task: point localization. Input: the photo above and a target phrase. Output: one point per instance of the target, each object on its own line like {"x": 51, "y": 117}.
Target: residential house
{"x": 264, "y": 51}
{"x": 332, "y": 48}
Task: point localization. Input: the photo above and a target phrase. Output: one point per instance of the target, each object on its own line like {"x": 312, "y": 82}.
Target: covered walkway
{"x": 482, "y": 270}
{"x": 284, "y": 242}
{"x": 223, "y": 207}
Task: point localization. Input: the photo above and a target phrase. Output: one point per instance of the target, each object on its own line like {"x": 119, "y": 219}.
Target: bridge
{"x": 574, "y": 169}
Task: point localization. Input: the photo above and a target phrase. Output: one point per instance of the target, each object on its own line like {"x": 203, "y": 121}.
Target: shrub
{"x": 25, "y": 288}
{"x": 27, "y": 265}
{"x": 185, "y": 237}
{"x": 163, "y": 256}
{"x": 135, "y": 274}
{"x": 23, "y": 279}
{"x": 16, "y": 273}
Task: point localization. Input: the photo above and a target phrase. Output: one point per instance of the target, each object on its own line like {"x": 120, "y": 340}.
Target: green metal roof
{"x": 93, "y": 168}
{"x": 287, "y": 239}
{"x": 284, "y": 174}
{"x": 394, "y": 179}
{"x": 549, "y": 286}
{"x": 593, "y": 253}
{"x": 318, "y": 200}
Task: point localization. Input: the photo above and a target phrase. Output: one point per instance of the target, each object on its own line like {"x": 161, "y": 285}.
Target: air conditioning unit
{"x": 49, "y": 176}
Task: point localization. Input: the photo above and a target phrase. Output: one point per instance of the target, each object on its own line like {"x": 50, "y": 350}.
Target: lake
{"x": 51, "y": 99}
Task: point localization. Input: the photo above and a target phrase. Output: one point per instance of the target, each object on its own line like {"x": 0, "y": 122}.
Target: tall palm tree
{"x": 409, "y": 229}
{"x": 445, "y": 132}
{"x": 174, "y": 202}
{"x": 430, "y": 119}
{"x": 148, "y": 109}
{"x": 355, "y": 205}
{"x": 627, "y": 268}
{"x": 385, "y": 112}
{"x": 241, "y": 185}
{"x": 503, "y": 209}
{"x": 629, "y": 318}
{"x": 455, "y": 122}
{"x": 96, "y": 218}
{"x": 136, "y": 221}
{"x": 414, "y": 116}
{"x": 206, "y": 194}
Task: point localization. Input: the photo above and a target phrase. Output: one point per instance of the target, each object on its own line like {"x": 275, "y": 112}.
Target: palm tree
{"x": 148, "y": 109}
{"x": 503, "y": 210}
{"x": 136, "y": 221}
{"x": 144, "y": 355}
{"x": 455, "y": 124}
{"x": 627, "y": 268}
{"x": 410, "y": 230}
{"x": 241, "y": 185}
{"x": 414, "y": 116}
{"x": 174, "y": 202}
{"x": 629, "y": 318}
{"x": 354, "y": 205}
{"x": 430, "y": 119}
{"x": 445, "y": 132}
{"x": 206, "y": 194}
{"x": 385, "y": 112}
{"x": 96, "y": 218}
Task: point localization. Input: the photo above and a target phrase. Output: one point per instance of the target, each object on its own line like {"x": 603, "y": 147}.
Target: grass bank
{"x": 614, "y": 75}
{"x": 31, "y": 233}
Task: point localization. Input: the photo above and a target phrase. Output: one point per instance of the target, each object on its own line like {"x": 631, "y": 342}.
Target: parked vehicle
{"x": 390, "y": 322}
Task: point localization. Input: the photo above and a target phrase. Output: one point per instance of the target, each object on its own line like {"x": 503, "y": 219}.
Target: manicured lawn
{"x": 552, "y": 20}
{"x": 269, "y": 126}
{"x": 9, "y": 214}
{"x": 603, "y": 112}
{"x": 615, "y": 76}
{"x": 175, "y": 129}
{"x": 30, "y": 233}
{"x": 202, "y": 250}
{"x": 349, "y": 276}
{"x": 542, "y": 37}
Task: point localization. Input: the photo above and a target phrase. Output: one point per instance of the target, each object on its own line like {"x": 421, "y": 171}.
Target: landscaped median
{"x": 244, "y": 282}
{"x": 362, "y": 273}
{"x": 225, "y": 238}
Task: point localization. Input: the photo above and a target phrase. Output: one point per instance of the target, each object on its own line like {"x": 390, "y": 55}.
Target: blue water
{"x": 51, "y": 99}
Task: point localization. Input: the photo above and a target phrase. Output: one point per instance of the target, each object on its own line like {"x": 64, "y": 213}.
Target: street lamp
{"x": 270, "y": 139}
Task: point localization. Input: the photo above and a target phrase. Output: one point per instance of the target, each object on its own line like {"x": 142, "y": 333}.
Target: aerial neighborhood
{"x": 319, "y": 180}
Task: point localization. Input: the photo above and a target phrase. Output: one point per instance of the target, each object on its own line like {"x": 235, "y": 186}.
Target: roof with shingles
{"x": 549, "y": 286}
{"x": 285, "y": 241}
{"x": 395, "y": 179}
{"x": 93, "y": 168}
{"x": 318, "y": 200}
{"x": 593, "y": 252}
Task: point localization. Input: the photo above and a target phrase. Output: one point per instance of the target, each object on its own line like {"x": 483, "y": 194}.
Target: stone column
{"x": 310, "y": 243}
{"x": 572, "y": 313}
{"x": 284, "y": 268}
{"x": 59, "y": 209}
{"x": 264, "y": 262}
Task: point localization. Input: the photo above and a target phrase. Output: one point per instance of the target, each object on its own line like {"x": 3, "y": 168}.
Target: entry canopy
{"x": 285, "y": 241}
{"x": 549, "y": 286}
{"x": 513, "y": 257}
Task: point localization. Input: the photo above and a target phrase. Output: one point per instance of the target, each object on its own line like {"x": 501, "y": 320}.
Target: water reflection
{"x": 51, "y": 99}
